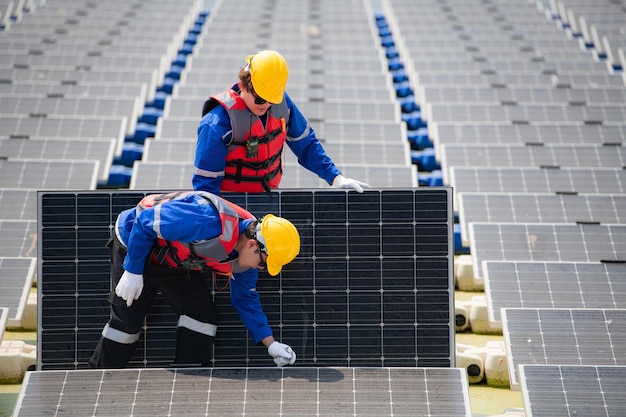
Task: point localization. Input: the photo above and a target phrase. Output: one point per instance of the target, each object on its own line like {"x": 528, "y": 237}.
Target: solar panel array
{"x": 332, "y": 54}
{"x": 526, "y": 119}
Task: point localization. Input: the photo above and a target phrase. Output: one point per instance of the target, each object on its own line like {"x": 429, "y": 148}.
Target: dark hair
{"x": 246, "y": 79}
{"x": 250, "y": 231}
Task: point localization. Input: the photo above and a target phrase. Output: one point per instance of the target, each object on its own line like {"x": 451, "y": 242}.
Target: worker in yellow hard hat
{"x": 244, "y": 129}
{"x": 167, "y": 244}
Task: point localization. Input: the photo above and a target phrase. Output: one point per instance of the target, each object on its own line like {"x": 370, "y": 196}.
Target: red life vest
{"x": 211, "y": 254}
{"x": 254, "y": 155}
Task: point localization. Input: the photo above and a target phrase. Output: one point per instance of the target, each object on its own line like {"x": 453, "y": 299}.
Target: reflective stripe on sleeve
{"x": 119, "y": 336}
{"x": 208, "y": 174}
{"x": 197, "y": 326}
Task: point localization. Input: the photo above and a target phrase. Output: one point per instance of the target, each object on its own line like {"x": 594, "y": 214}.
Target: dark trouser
{"x": 188, "y": 295}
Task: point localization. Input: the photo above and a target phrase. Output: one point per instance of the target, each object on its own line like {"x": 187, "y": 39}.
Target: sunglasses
{"x": 261, "y": 251}
{"x": 258, "y": 100}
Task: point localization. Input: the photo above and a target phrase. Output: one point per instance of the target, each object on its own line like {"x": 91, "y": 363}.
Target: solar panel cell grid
{"x": 337, "y": 304}
{"x": 253, "y": 391}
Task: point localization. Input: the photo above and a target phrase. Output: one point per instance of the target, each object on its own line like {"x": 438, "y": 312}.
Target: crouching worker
{"x": 168, "y": 243}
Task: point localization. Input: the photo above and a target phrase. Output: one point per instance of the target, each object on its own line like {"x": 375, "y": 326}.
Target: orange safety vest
{"x": 254, "y": 155}
{"x": 211, "y": 254}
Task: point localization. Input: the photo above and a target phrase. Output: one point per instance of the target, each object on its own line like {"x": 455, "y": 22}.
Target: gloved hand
{"x": 130, "y": 286}
{"x": 282, "y": 354}
{"x": 342, "y": 182}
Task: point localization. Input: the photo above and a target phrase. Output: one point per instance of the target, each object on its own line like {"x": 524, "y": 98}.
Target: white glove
{"x": 342, "y": 182}
{"x": 282, "y": 354}
{"x": 130, "y": 286}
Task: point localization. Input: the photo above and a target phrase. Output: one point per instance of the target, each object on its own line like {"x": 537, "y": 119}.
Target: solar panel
{"x": 474, "y": 94}
{"x": 294, "y": 391}
{"x": 48, "y": 174}
{"x": 18, "y": 204}
{"x": 546, "y": 242}
{"x": 563, "y": 337}
{"x": 539, "y": 208}
{"x": 177, "y": 175}
{"x": 19, "y": 238}
{"x": 341, "y": 153}
{"x": 564, "y": 390}
{"x": 525, "y": 113}
{"x": 520, "y": 284}
{"x": 17, "y": 277}
{"x": 486, "y": 133}
{"x": 79, "y": 107}
{"x": 520, "y": 155}
{"x": 371, "y": 286}
{"x": 538, "y": 180}
{"x": 101, "y": 150}
{"x": 44, "y": 89}
{"x": 67, "y": 127}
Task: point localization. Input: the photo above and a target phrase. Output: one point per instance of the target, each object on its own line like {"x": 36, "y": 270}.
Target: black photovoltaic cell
{"x": 553, "y": 336}
{"x": 371, "y": 286}
{"x": 564, "y": 390}
{"x": 414, "y": 392}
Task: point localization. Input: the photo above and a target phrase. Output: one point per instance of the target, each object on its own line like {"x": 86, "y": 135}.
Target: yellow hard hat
{"x": 281, "y": 241}
{"x": 268, "y": 73}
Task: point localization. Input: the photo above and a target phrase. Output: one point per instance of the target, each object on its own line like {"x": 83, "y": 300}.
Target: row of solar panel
{"x": 61, "y": 131}
{"x": 541, "y": 204}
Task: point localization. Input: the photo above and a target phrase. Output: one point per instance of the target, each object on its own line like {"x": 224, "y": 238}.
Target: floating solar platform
{"x": 566, "y": 156}
{"x": 520, "y": 284}
{"x": 536, "y": 336}
{"x": 17, "y": 277}
{"x": 293, "y": 391}
{"x": 178, "y": 175}
{"x": 539, "y": 208}
{"x": 372, "y": 285}
{"x": 573, "y": 390}
{"x": 49, "y": 174}
{"x": 545, "y": 243}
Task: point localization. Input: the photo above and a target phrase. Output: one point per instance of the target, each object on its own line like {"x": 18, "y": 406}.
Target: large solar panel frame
{"x": 573, "y": 390}
{"x": 477, "y": 207}
{"x": 292, "y": 391}
{"x": 546, "y": 242}
{"x": 373, "y": 280}
{"x": 553, "y": 336}
{"x": 49, "y": 174}
{"x": 522, "y": 284}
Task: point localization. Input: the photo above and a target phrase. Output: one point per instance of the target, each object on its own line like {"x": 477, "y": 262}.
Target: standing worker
{"x": 243, "y": 131}
{"x": 168, "y": 243}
